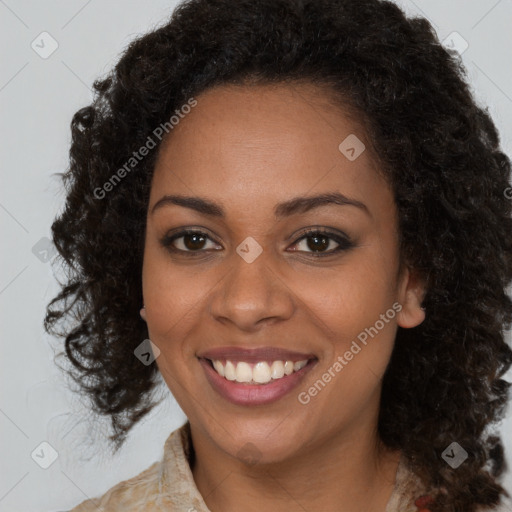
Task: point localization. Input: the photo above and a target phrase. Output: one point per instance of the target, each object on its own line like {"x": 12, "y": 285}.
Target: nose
{"x": 252, "y": 294}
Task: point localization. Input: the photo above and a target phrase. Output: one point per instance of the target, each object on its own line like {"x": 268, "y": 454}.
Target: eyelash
{"x": 343, "y": 242}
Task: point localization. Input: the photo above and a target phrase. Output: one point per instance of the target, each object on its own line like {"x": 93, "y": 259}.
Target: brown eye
{"x": 318, "y": 242}
{"x": 193, "y": 241}
{"x": 188, "y": 241}
{"x": 322, "y": 243}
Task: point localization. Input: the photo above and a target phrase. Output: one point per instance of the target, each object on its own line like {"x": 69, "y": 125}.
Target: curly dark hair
{"x": 438, "y": 149}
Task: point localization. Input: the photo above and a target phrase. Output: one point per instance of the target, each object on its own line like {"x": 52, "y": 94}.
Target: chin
{"x": 265, "y": 442}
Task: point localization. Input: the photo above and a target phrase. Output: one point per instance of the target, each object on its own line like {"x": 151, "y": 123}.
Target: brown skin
{"x": 247, "y": 149}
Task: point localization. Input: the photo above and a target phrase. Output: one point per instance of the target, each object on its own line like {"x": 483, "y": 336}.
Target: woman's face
{"x": 254, "y": 288}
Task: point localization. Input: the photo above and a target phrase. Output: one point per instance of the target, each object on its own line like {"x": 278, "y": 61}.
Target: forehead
{"x": 266, "y": 143}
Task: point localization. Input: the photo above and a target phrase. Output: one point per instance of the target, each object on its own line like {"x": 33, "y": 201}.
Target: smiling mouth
{"x": 260, "y": 372}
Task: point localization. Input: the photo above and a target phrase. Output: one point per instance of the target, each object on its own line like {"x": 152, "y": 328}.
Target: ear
{"x": 411, "y": 293}
{"x": 143, "y": 314}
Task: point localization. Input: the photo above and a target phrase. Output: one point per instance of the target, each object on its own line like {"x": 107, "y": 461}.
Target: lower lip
{"x": 254, "y": 394}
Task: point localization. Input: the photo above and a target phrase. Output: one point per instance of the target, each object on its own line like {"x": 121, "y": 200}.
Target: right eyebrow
{"x": 198, "y": 204}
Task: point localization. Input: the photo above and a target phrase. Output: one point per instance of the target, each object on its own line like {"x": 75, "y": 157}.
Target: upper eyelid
{"x": 191, "y": 231}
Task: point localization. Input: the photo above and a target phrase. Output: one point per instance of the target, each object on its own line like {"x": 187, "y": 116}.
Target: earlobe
{"x": 412, "y": 294}
{"x": 411, "y": 314}
{"x": 143, "y": 313}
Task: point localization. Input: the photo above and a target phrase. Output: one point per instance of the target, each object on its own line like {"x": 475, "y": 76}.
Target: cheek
{"x": 170, "y": 289}
{"x": 172, "y": 296}
{"x": 355, "y": 309}
{"x": 354, "y": 306}
{"x": 350, "y": 297}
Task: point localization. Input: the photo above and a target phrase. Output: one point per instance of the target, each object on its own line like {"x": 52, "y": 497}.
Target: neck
{"x": 348, "y": 472}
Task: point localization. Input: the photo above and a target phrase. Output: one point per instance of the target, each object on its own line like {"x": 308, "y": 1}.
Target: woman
{"x": 303, "y": 208}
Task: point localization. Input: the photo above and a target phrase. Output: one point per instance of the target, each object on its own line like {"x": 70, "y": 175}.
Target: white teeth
{"x": 298, "y": 365}
{"x": 277, "y": 369}
{"x": 218, "y": 368}
{"x": 243, "y": 372}
{"x": 229, "y": 370}
{"x": 259, "y": 373}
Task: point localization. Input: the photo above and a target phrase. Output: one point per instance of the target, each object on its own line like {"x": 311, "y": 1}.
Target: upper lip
{"x": 253, "y": 355}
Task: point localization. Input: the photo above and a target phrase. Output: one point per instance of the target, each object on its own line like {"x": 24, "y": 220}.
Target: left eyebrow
{"x": 286, "y": 209}
{"x": 304, "y": 204}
